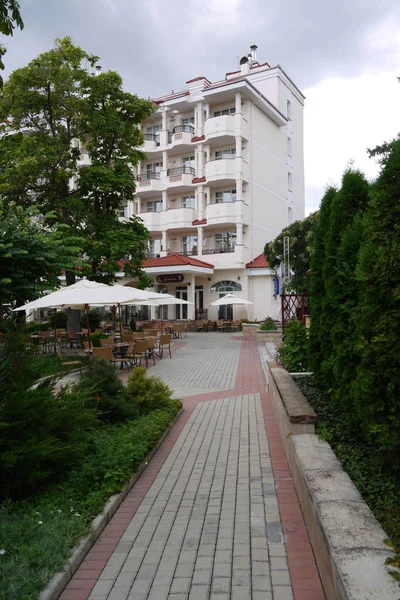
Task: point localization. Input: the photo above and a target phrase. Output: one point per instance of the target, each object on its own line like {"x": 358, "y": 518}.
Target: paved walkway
{"x": 215, "y": 515}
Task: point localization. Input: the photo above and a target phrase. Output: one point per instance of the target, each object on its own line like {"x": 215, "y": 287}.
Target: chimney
{"x": 253, "y": 49}
{"x": 98, "y": 69}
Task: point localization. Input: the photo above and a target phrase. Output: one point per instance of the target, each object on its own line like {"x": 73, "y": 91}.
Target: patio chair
{"x": 73, "y": 339}
{"x": 98, "y": 331}
{"x": 86, "y": 347}
{"x": 139, "y": 351}
{"x": 200, "y": 325}
{"x": 164, "y": 343}
{"x": 177, "y": 331}
{"x": 44, "y": 341}
{"x": 220, "y": 325}
{"x": 104, "y": 342}
{"x": 151, "y": 342}
{"x": 106, "y": 353}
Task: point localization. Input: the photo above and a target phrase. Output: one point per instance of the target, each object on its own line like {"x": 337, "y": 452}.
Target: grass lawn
{"x": 37, "y": 535}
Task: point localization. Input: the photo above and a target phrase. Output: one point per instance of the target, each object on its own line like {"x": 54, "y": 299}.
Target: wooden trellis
{"x": 295, "y": 306}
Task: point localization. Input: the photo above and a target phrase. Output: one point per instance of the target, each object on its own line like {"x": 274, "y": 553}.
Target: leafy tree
{"x": 10, "y": 17}
{"x": 31, "y": 256}
{"x": 318, "y": 342}
{"x": 55, "y": 109}
{"x": 339, "y": 267}
{"x": 301, "y": 235}
{"x": 376, "y": 386}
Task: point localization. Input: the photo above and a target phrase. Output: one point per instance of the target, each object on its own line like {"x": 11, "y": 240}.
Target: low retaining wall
{"x": 347, "y": 539}
{"x": 251, "y": 331}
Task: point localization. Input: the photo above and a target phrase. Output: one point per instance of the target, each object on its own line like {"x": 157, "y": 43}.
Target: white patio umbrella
{"x": 162, "y": 300}
{"x": 84, "y": 293}
{"x": 229, "y": 299}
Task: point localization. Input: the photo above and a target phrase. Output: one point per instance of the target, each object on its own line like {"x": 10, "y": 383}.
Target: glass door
{"x": 225, "y": 312}
{"x": 181, "y": 310}
{"x": 199, "y": 307}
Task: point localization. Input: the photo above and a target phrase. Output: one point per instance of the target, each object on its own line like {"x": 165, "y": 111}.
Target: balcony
{"x": 181, "y": 177}
{"x": 227, "y": 258}
{"x": 227, "y": 170}
{"x": 149, "y": 182}
{"x": 218, "y": 250}
{"x": 181, "y": 135}
{"x": 223, "y": 128}
{"x": 227, "y": 213}
{"x": 151, "y": 142}
{"x": 180, "y": 218}
{"x": 153, "y": 221}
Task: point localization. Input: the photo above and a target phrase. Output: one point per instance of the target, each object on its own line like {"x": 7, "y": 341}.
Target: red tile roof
{"x": 198, "y": 79}
{"x": 198, "y": 180}
{"x": 199, "y": 222}
{"x": 260, "y": 262}
{"x": 175, "y": 260}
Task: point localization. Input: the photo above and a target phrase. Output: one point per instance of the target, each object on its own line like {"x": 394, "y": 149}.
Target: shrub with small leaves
{"x": 148, "y": 393}
{"x": 293, "y": 353}
{"x": 268, "y": 325}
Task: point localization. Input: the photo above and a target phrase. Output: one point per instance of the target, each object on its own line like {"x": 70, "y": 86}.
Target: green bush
{"x": 94, "y": 320}
{"x": 148, "y": 393}
{"x": 104, "y": 392}
{"x": 96, "y": 337}
{"x": 58, "y": 320}
{"x": 42, "y": 436}
{"x": 268, "y": 325}
{"x": 293, "y": 353}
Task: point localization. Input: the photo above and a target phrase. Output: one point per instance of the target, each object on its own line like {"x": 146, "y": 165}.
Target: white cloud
{"x": 344, "y": 117}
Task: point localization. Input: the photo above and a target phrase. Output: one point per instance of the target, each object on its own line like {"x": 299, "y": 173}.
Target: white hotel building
{"x": 224, "y": 174}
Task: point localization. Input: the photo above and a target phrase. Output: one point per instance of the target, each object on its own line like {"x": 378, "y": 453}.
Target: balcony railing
{"x": 183, "y": 129}
{"x": 149, "y": 175}
{"x": 151, "y": 137}
{"x": 218, "y": 250}
{"x": 181, "y": 170}
{"x": 184, "y": 252}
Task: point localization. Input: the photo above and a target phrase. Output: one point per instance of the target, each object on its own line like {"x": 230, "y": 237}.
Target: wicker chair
{"x": 164, "y": 343}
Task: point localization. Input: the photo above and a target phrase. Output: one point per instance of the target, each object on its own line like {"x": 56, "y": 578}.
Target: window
{"x": 154, "y": 206}
{"x": 226, "y": 286}
{"x": 290, "y": 215}
{"x": 154, "y": 247}
{"x": 124, "y": 212}
{"x": 155, "y": 129}
{"x": 225, "y": 196}
{"x": 230, "y": 153}
{"x": 189, "y": 245}
{"x": 187, "y": 159}
{"x": 289, "y": 146}
{"x": 289, "y": 181}
{"x": 187, "y": 121}
{"x": 224, "y": 111}
{"x": 225, "y": 242}
{"x": 154, "y": 167}
{"x": 289, "y": 109}
{"x": 188, "y": 202}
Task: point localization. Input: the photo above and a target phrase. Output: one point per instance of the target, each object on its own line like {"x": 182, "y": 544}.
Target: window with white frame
{"x": 187, "y": 159}
{"x": 226, "y": 241}
{"x": 154, "y": 206}
{"x": 228, "y": 153}
{"x": 226, "y": 286}
{"x": 289, "y": 109}
{"x": 289, "y": 181}
{"x": 188, "y": 202}
{"x": 187, "y": 121}
{"x": 289, "y": 146}
{"x": 154, "y": 247}
{"x": 290, "y": 215}
{"x": 155, "y": 129}
{"x": 224, "y": 111}
{"x": 225, "y": 196}
{"x": 153, "y": 167}
{"x": 189, "y": 244}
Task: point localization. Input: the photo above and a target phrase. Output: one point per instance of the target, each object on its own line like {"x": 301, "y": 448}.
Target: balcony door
{"x": 181, "y": 310}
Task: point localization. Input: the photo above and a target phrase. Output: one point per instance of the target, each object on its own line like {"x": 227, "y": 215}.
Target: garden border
{"x": 347, "y": 540}
{"x": 60, "y": 580}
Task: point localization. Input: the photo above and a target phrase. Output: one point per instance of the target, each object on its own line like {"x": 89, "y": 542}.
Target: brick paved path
{"x": 215, "y": 515}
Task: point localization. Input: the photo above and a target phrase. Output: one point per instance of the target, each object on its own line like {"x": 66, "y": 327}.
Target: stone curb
{"x": 59, "y": 581}
{"x": 347, "y": 540}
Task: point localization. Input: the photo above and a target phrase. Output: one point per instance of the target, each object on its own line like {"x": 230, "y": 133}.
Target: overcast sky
{"x": 343, "y": 54}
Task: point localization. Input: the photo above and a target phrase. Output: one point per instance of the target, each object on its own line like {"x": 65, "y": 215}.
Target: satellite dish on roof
{"x": 244, "y": 60}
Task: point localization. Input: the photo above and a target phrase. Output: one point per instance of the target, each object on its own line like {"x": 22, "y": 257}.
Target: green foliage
{"x": 94, "y": 320}
{"x": 148, "y": 393}
{"x": 96, "y": 337}
{"x": 10, "y": 18}
{"x": 319, "y": 344}
{"x": 365, "y": 462}
{"x": 42, "y": 435}
{"x": 58, "y": 320}
{"x": 268, "y": 325}
{"x": 31, "y": 256}
{"x": 293, "y": 353}
{"x": 104, "y": 392}
{"x": 376, "y": 385}
{"x": 301, "y": 235}
{"x": 59, "y": 103}
{"x": 67, "y": 508}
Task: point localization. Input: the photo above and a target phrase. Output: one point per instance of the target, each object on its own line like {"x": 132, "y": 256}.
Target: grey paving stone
{"x": 280, "y": 577}
{"x": 221, "y": 584}
{"x": 180, "y": 585}
{"x": 282, "y": 593}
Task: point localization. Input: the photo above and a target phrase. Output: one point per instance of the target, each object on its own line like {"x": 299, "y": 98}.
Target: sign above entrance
{"x": 170, "y": 278}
